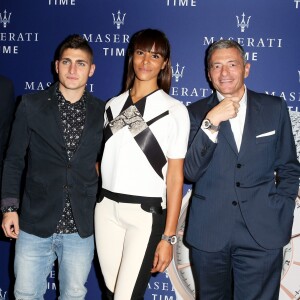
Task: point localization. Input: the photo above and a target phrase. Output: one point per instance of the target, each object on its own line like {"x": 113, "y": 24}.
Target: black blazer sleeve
{"x": 7, "y": 106}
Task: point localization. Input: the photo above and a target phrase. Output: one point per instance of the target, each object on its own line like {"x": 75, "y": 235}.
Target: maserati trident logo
{"x": 5, "y": 20}
{"x": 2, "y": 296}
{"x": 243, "y": 24}
{"x": 297, "y": 3}
{"x": 177, "y": 74}
{"x": 120, "y": 20}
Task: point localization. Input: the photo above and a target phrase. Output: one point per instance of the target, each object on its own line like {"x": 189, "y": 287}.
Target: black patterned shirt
{"x": 72, "y": 117}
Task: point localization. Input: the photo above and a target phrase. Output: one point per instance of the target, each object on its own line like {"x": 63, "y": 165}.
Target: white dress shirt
{"x": 237, "y": 123}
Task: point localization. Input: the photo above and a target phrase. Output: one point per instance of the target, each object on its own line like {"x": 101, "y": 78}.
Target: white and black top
{"x": 139, "y": 138}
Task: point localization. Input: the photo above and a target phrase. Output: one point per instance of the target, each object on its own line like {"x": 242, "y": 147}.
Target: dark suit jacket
{"x": 223, "y": 177}
{"x": 7, "y": 106}
{"x": 37, "y": 132}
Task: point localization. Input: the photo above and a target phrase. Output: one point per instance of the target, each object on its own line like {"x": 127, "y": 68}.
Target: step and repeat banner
{"x": 31, "y": 30}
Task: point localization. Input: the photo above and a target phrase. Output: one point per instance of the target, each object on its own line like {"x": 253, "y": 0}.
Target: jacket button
{"x": 68, "y": 166}
{"x": 203, "y": 151}
{"x": 234, "y": 203}
{"x": 65, "y": 186}
{"x": 238, "y": 184}
{"x": 238, "y": 166}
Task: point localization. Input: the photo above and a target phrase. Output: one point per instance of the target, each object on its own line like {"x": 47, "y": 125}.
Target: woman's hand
{"x": 162, "y": 257}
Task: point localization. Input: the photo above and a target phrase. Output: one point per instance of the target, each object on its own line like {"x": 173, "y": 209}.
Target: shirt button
{"x": 234, "y": 203}
{"x": 238, "y": 166}
{"x": 238, "y": 184}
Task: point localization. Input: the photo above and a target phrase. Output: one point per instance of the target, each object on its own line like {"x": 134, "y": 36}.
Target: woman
{"x": 146, "y": 134}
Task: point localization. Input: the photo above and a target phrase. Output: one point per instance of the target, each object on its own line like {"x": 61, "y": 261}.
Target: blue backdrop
{"x": 31, "y": 30}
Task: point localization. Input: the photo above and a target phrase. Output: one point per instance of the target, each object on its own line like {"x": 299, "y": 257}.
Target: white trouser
{"x": 126, "y": 239}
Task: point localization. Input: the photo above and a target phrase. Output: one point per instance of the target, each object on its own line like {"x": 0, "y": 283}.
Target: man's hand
{"x": 10, "y": 224}
{"x": 225, "y": 110}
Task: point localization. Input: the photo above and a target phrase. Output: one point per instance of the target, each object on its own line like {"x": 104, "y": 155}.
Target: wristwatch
{"x": 172, "y": 239}
{"x": 207, "y": 124}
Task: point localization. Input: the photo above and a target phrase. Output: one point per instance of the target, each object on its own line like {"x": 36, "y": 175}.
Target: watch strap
{"x": 214, "y": 127}
{"x": 211, "y": 125}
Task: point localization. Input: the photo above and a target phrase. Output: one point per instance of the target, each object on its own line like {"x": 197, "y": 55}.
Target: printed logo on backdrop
{"x": 177, "y": 74}
{"x": 113, "y": 44}
{"x": 248, "y": 42}
{"x": 118, "y": 21}
{"x": 10, "y": 41}
{"x": 297, "y": 3}
{"x": 243, "y": 24}
{"x": 253, "y": 45}
{"x": 107, "y": 42}
{"x": 292, "y": 97}
{"x": 62, "y": 2}
{"x": 51, "y": 285}
{"x": 160, "y": 288}
{"x": 182, "y": 91}
{"x": 182, "y": 3}
{"x": 40, "y": 86}
{"x": 2, "y": 294}
{"x": 5, "y": 19}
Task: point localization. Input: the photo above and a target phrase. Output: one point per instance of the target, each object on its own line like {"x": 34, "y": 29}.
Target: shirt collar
{"x": 242, "y": 102}
{"x": 62, "y": 100}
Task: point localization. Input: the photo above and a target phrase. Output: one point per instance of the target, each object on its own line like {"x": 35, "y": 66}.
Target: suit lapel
{"x": 54, "y": 113}
{"x": 225, "y": 128}
{"x": 226, "y": 132}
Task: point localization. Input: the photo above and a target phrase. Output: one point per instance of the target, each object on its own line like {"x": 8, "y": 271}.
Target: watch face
{"x": 180, "y": 271}
{"x": 290, "y": 283}
{"x": 173, "y": 240}
{"x": 206, "y": 124}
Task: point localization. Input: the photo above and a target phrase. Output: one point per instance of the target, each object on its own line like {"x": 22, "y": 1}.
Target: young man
{"x": 58, "y": 132}
{"x": 242, "y": 161}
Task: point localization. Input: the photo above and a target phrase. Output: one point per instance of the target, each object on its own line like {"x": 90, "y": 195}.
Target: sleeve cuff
{"x": 9, "y": 202}
{"x": 9, "y": 209}
{"x": 213, "y": 136}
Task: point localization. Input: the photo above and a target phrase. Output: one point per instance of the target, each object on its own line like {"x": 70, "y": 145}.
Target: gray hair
{"x": 225, "y": 44}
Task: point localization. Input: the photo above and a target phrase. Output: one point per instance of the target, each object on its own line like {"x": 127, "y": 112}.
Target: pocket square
{"x": 266, "y": 134}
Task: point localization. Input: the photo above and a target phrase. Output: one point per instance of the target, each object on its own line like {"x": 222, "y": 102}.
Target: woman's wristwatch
{"x": 172, "y": 239}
